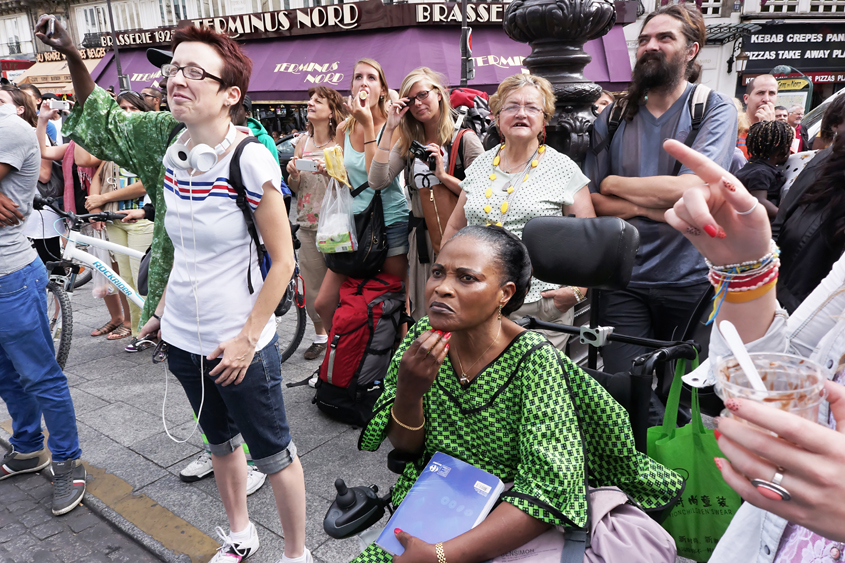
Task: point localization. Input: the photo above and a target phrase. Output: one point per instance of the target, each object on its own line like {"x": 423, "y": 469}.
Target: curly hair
{"x": 335, "y": 102}
{"x": 513, "y": 83}
{"x": 769, "y": 138}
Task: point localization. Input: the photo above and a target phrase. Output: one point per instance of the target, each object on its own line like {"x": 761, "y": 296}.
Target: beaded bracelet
{"x": 743, "y": 281}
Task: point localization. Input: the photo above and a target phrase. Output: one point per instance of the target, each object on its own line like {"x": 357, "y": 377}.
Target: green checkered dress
{"x": 517, "y": 420}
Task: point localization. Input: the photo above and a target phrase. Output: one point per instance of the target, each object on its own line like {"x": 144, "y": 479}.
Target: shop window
{"x": 780, "y": 7}
{"x": 827, "y": 6}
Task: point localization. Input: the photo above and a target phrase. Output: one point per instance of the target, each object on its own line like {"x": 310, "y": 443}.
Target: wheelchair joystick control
{"x": 345, "y": 498}
{"x": 354, "y": 510}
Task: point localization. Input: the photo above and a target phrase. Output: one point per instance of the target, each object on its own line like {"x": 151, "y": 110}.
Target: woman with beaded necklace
{"x": 520, "y": 179}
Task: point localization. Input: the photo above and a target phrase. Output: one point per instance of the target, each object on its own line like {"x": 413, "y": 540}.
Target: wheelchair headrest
{"x": 595, "y": 253}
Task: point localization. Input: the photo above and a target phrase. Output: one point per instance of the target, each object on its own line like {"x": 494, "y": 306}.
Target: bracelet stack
{"x": 743, "y": 282}
{"x": 441, "y": 555}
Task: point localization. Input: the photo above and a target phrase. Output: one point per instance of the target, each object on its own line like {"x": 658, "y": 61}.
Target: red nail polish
{"x": 710, "y": 230}
{"x": 718, "y": 462}
{"x": 447, "y": 347}
{"x": 397, "y": 531}
{"x": 447, "y": 336}
{"x": 717, "y": 434}
{"x": 721, "y": 233}
{"x": 732, "y": 405}
{"x": 729, "y": 185}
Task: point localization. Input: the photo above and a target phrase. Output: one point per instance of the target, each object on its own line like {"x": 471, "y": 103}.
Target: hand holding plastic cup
{"x": 793, "y": 384}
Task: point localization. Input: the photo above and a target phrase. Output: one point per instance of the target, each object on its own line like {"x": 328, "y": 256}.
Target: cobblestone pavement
{"x": 29, "y": 533}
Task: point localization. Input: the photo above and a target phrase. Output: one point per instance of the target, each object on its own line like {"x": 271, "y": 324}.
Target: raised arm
{"x": 60, "y": 40}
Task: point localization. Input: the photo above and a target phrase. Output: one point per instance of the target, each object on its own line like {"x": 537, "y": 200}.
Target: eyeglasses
{"x": 189, "y": 72}
{"x": 147, "y": 95}
{"x": 420, "y": 96}
{"x": 513, "y": 109}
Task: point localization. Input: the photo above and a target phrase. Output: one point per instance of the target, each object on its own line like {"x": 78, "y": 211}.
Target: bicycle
{"x": 60, "y": 287}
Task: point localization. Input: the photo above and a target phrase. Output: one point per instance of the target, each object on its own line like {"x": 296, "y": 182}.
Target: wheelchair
{"x": 597, "y": 253}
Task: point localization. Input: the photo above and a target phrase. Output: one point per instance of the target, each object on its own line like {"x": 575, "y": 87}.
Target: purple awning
{"x": 284, "y": 69}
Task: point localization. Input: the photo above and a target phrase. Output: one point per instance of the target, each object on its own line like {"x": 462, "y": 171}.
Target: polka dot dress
{"x": 550, "y": 186}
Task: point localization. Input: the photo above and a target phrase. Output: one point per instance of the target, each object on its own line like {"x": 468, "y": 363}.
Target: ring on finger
{"x": 753, "y": 207}
{"x": 772, "y": 489}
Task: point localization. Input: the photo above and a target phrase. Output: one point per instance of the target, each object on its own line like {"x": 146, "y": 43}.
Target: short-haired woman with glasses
{"x": 422, "y": 114}
{"x": 523, "y": 178}
{"x": 217, "y": 313}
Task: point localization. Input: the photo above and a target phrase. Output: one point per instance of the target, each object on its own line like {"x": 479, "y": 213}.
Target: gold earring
{"x": 500, "y": 311}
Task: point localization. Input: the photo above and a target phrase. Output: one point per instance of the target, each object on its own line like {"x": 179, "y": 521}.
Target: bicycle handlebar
{"x": 40, "y": 202}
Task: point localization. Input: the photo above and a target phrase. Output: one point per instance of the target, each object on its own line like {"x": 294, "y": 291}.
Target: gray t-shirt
{"x": 665, "y": 257}
{"x": 19, "y": 149}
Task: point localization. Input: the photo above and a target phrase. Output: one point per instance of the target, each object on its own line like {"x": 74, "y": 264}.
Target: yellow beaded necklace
{"x": 512, "y": 186}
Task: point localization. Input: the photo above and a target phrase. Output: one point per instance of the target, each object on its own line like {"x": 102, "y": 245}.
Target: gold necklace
{"x": 521, "y": 178}
{"x": 464, "y": 378}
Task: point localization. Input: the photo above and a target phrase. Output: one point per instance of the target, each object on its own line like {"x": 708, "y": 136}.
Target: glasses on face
{"x": 189, "y": 72}
{"x": 420, "y": 96}
{"x": 513, "y": 109}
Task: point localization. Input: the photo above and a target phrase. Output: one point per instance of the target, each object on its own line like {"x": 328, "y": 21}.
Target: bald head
{"x": 760, "y": 97}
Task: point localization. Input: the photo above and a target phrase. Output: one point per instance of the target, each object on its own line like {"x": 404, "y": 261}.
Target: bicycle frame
{"x": 71, "y": 253}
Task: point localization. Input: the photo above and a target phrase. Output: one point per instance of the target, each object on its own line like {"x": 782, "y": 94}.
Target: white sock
{"x": 301, "y": 559}
{"x": 243, "y": 535}
{"x": 321, "y": 339}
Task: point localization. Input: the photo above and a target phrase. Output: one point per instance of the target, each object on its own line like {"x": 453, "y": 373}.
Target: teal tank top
{"x": 392, "y": 197}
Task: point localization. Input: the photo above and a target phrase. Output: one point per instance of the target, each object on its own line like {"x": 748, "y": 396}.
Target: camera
{"x": 423, "y": 154}
{"x": 59, "y": 104}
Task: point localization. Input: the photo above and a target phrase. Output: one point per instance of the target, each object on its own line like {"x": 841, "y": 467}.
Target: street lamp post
{"x": 557, "y": 31}
{"x": 122, "y": 79}
{"x": 786, "y": 69}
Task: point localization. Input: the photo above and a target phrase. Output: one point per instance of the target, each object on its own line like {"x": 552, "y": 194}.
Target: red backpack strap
{"x": 456, "y": 144}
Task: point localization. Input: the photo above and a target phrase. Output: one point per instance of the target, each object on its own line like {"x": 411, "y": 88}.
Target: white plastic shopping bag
{"x": 336, "y": 228}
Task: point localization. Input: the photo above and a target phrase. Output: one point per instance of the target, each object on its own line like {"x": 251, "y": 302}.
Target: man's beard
{"x": 654, "y": 71}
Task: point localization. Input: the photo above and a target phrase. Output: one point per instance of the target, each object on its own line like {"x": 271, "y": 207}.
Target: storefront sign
{"x": 816, "y": 77}
{"x": 55, "y": 56}
{"x": 353, "y": 16}
{"x": 810, "y": 48}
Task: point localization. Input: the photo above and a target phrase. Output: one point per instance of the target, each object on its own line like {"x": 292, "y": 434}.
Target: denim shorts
{"x": 397, "y": 239}
{"x": 251, "y": 411}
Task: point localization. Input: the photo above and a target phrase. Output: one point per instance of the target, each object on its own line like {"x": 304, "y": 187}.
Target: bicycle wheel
{"x": 291, "y": 327}
{"x": 60, "y": 317}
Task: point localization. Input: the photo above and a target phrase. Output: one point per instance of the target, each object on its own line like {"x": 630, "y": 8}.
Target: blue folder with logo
{"x": 449, "y": 498}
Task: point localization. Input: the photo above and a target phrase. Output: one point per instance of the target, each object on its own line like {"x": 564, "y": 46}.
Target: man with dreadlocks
{"x": 636, "y": 180}
{"x": 768, "y": 144}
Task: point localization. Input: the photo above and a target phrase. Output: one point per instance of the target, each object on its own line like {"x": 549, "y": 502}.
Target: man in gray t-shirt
{"x": 31, "y": 382}
{"x": 634, "y": 178}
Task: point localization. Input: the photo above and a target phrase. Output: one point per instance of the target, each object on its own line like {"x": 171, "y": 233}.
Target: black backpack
{"x": 699, "y": 101}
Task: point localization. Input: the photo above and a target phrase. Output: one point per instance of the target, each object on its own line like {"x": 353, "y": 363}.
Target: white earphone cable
{"x": 194, "y": 289}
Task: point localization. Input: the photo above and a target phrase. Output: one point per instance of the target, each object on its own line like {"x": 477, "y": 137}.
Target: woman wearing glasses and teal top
{"x": 216, "y": 316}
{"x": 523, "y": 178}
{"x": 422, "y": 114}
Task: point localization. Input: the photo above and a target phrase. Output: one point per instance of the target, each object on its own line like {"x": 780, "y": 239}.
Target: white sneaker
{"x": 234, "y": 552}
{"x": 254, "y": 479}
{"x": 197, "y": 469}
{"x": 308, "y": 558}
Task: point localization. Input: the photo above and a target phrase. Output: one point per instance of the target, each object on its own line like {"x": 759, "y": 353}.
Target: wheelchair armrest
{"x": 596, "y": 253}
{"x": 398, "y": 460}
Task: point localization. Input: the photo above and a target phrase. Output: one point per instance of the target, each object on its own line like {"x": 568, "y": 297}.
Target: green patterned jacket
{"x": 517, "y": 420}
{"x": 137, "y": 141}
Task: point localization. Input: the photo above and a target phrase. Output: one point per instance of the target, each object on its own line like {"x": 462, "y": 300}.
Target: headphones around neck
{"x": 201, "y": 158}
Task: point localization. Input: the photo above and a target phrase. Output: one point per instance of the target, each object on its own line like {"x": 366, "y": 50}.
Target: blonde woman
{"x": 358, "y": 135}
{"x": 520, "y": 179}
{"x": 423, "y": 114}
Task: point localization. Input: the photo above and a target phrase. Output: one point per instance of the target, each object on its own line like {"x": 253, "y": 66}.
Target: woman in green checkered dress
{"x": 470, "y": 383}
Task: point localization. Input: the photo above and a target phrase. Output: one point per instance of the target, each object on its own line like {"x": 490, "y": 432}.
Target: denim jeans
{"x": 253, "y": 410}
{"x": 31, "y": 382}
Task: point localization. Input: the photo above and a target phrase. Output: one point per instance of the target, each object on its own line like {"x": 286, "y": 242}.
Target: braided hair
{"x": 769, "y": 138}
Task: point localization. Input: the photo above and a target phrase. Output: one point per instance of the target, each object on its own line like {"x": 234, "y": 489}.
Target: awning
{"x": 53, "y": 77}
{"x": 284, "y": 69}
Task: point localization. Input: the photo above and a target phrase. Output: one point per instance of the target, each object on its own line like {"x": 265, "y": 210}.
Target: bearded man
{"x": 633, "y": 178}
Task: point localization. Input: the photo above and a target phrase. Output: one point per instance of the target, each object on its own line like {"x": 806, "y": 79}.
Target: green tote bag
{"x": 707, "y": 504}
